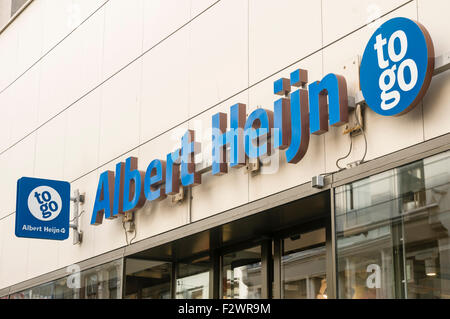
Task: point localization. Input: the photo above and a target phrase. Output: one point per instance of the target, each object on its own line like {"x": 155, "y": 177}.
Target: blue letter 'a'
{"x": 104, "y": 198}
{"x": 335, "y": 88}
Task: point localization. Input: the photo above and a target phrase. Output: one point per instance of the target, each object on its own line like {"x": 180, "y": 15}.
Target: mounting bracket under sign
{"x": 77, "y": 199}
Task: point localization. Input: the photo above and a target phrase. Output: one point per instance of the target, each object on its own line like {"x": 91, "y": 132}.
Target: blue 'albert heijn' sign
{"x": 395, "y": 74}
{"x": 397, "y": 67}
{"x": 42, "y": 209}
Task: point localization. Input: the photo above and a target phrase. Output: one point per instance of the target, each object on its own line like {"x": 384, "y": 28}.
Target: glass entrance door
{"x": 300, "y": 260}
{"x": 303, "y": 266}
{"x": 241, "y": 274}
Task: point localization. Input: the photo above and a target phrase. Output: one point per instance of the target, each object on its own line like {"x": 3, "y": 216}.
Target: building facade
{"x": 88, "y": 84}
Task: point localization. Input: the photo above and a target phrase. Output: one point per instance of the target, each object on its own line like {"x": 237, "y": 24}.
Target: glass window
{"x": 146, "y": 279}
{"x": 26, "y": 294}
{"x": 193, "y": 279}
{"x": 392, "y": 233}
{"x": 63, "y": 290}
{"x": 101, "y": 282}
{"x": 242, "y": 274}
{"x": 303, "y": 266}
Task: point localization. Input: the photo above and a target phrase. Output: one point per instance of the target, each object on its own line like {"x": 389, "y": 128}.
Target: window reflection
{"x": 102, "y": 282}
{"x": 392, "y": 233}
{"x": 242, "y": 274}
{"x": 147, "y": 279}
{"x": 303, "y": 266}
{"x": 193, "y": 279}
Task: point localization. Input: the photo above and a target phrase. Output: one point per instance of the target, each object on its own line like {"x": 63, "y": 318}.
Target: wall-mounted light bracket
{"x": 253, "y": 166}
{"x": 128, "y": 222}
{"x": 318, "y": 181}
{"x": 179, "y": 197}
{"x": 77, "y": 200}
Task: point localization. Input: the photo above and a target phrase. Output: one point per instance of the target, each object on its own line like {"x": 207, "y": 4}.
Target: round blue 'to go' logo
{"x": 44, "y": 203}
{"x": 397, "y": 67}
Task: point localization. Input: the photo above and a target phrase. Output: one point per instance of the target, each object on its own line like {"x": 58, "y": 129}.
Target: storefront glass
{"x": 146, "y": 279}
{"x": 242, "y": 274}
{"x": 193, "y": 279}
{"x": 303, "y": 266}
{"x": 392, "y": 233}
{"x": 101, "y": 282}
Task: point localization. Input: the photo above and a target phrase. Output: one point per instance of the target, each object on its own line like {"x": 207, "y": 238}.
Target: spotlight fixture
{"x": 430, "y": 267}
{"x": 318, "y": 181}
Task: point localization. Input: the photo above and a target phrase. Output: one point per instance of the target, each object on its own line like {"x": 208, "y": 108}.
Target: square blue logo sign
{"x": 42, "y": 209}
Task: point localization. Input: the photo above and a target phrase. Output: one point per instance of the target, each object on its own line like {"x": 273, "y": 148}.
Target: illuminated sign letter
{"x": 219, "y": 144}
{"x": 155, "y": 174}
{"x": 257, "y": 133}
{"x": 335, "y": 88}
{"x": 118, "y": 189}
{"x": 299, "y": 141}
{"x": 188, "y": 150}
{"x": 282, "y": 127}
{"x": 133, "y": 189}
{"x": 173, "y": 173}
{"x": 291, "y": 116}
{"x": 103, "y": 198}
{"x": 234, "y": 137}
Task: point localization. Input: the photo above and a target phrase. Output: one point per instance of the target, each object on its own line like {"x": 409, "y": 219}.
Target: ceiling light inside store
{"x": 430, "y": 267}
